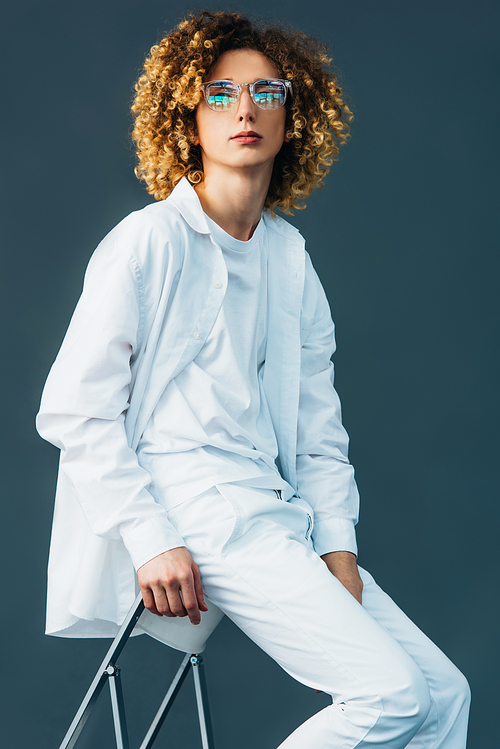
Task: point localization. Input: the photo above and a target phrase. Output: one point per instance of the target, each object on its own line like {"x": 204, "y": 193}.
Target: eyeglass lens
{"x": 222, "y": 95}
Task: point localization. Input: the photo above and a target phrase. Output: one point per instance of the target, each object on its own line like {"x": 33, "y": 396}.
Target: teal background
{"x": 405, "y": 239}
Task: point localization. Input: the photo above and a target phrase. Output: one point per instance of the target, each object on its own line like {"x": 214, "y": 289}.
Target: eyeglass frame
{"x": 251, "y": 91}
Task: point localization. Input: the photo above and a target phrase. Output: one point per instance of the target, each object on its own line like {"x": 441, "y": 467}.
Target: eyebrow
{"x": 260, "y": 78}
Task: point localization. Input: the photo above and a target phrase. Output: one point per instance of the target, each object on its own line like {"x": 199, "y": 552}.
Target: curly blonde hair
{"x": 169, "y": 90}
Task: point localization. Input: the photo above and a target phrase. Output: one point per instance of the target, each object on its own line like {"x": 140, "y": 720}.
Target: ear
{"x": 193, "y": 134}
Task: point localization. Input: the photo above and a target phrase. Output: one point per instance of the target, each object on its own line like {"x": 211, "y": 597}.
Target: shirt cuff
{"x": 336, "y": 534}
{"x": 150, "y": 538}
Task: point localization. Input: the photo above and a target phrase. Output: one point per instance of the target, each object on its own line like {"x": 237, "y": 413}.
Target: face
{"x": 221, "y": 134}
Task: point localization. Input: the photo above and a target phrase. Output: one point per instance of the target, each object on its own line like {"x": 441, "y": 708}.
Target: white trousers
{"x": 390, "y": 685}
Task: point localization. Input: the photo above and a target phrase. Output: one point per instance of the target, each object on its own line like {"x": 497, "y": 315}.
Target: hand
{"x": 164, "y": 578}
{"x": 343, "y": 565}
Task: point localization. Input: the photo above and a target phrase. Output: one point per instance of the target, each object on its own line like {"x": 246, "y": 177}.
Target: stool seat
{"x": 178, "y": 632}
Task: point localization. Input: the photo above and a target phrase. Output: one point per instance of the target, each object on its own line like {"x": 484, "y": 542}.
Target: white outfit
{"x": 154, "y": 290}
{"x": 152, "y": 293}
{"x": 387, "y": 680}
{"x": 212, "y": 423}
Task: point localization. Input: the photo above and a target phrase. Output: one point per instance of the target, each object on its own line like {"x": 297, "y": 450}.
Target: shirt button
{"x": 197, "y": 336}
{"x": 217, "y": 284}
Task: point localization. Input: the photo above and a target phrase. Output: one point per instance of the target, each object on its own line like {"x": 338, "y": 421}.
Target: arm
{"x": 325, "y": 478}
{"x": 83, "y": 409}
{"x": 344, "y": 566}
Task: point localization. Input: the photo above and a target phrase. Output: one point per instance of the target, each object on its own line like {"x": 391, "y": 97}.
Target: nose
{"x": 246, "y": 107}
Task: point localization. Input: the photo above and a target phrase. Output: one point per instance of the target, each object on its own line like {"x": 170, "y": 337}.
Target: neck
{"x": 234, "y": 199}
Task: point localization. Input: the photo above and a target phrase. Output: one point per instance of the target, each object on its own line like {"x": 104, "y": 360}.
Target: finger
{"x": 149, "y": 601}
{"x": 175, "y": 601}
{"x": 161, "y": 602}
{"x": 199, "y": 589}
{"x": 190, "y": 599}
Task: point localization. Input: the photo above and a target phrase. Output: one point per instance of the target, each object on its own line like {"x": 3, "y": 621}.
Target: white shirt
{"x": 152, "y": 293}
{"x": 212, "y": 423}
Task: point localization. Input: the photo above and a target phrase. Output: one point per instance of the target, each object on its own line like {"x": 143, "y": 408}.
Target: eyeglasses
{"x": 267, "y": 93}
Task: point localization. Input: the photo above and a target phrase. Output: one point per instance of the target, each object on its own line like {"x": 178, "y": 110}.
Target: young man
{"x": 192, "y": 399}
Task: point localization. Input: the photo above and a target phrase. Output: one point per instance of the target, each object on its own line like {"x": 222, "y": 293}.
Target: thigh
{"x": 439, "y": 671}
{"x": 258, "y": 565}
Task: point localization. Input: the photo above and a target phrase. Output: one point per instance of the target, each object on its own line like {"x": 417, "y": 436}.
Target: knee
{"x": 455, "y": 691}
{"x": 463, "y": 690}
{"x": 410, "y": 702}
{"x": 417, "y": 699}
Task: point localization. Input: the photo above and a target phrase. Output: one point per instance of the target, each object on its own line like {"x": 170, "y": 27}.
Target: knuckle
{"x": 178, "y": 610}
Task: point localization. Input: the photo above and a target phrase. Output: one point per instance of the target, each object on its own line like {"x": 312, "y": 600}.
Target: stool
{"x": 177, "y": 633}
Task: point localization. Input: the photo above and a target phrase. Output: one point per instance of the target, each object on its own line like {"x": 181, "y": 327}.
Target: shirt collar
{"x": 185, "y": 199}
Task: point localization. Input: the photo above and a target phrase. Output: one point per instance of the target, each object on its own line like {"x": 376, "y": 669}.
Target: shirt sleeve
{"x": 325, "y": 478}
{"x": 85, "y": 400}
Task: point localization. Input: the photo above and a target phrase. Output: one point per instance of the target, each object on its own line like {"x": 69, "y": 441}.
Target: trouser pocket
{"x": 252, "y": 504}
{"x": 207, "y": 522}
{"x": 309, "y": 514}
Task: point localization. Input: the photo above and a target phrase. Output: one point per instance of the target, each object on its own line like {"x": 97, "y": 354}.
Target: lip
{"x": 247, "y": 136}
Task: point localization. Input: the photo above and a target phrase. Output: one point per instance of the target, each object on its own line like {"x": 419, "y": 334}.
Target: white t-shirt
{"x": 212, "y": 423}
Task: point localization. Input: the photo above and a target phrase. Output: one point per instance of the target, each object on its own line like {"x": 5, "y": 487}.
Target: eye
{"x": 221, "y": 95}
{"x": 270, "y": 94}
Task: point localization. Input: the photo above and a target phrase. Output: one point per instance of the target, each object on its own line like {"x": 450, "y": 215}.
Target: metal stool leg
{"x": 118, "y": 708}
{"x": 108, "y": 671}
{"x": 200, "y": 686}
{"x": 102, "y": 675}
{"x": 166, "y": 704}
